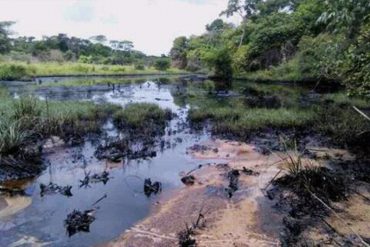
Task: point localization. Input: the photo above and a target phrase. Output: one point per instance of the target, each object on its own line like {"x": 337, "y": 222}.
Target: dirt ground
{"x": 246, "y": 219}
{"x": 249, "y": 217}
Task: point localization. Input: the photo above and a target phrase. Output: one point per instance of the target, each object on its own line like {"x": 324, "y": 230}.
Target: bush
{"x": 162, "y": 64}
{"x": 12, "y": 72}
{"x": 85, "y": 59}
{"x": 142, "y": 119}
{"x": 139, "y": 66}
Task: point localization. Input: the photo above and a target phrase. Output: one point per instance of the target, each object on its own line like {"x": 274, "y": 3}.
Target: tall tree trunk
{"x": 242, "y": 38}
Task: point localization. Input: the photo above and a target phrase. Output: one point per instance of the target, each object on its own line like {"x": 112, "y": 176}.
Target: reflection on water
{"x": 42, "y": 220}
{"x": 39, "y": 219}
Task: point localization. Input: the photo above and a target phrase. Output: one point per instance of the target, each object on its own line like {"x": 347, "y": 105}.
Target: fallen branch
{"x": 101, "y": 199}
{"x": 361, "y": 113}
{"x": 340, "y": 218}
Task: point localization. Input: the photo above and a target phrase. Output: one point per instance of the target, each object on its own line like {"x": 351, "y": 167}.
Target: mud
{"x": 196, "y": 173}
{"x": 259, "y": 213}
{"x": 236, "y": 221}
{"x": 315, "y": 196}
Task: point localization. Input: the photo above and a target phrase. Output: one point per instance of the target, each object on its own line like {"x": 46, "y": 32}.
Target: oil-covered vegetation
{"x": 24, "y": 57}
{"x": 143, "y": 119}
{"x": 284, "y": 40}
{"x": 26, "y": 123}
{"x": 249, "y": 109}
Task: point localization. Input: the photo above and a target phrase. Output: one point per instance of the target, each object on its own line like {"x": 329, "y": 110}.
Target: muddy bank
{"x": 235, "y": 221}
{"x": 256, "y": 213}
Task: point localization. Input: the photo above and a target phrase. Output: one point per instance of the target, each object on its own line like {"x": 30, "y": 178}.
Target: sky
{"x": 151, "y": 24}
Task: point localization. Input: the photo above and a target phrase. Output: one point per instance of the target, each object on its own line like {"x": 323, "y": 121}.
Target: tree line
{"x": 310, "y": 39}
{"x": 97, "y": 49}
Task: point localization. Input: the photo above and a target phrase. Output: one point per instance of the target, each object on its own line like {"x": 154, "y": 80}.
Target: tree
{"x": 4, "y": 36}
{"x": 220, "y": 61}
{"x": 244, "y": 10}
{"x": 178, "y": 52}
{"x": 345, "y": 15}
{"x": 126, "y": 45}
{"x": 162, "y": 64}
{"x": 101, "y": 39}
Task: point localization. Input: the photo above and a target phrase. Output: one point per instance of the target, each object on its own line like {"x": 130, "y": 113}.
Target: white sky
{"x": 151, "y": 24}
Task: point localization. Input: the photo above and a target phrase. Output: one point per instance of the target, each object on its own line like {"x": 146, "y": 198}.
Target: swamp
{"x": 191, "y": 123}
{"x": 160, "y": 150}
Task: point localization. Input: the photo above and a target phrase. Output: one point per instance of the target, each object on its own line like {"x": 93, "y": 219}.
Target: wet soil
{"x": 235, "y": 221}
{"x": 227, "y": 183}
{"x": 37, "y": 219}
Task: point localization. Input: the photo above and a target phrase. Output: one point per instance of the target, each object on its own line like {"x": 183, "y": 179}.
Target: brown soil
{"x": 247, "y": 219}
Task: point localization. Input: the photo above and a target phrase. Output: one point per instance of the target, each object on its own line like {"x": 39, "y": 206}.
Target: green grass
{"x": 344, "y": 125}
{"x": 12, "y": 136}
{"x": 21, "y": 70}
{"x": 142, "y": 117}
{"x": 13, "y": 72}
{"x": 28, "y": 120}
{"x": 76, "y": 82}
{"x": 241, "y": 121}
{"x": 341, "y": 98}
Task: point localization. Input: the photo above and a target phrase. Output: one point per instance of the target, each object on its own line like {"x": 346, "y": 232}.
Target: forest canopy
{"x": 97, "y": 49}
{"x": 285, "y": 39}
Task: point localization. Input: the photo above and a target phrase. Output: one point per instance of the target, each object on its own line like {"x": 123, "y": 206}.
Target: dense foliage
{"x": 62, "y": 48}
{"x": 297, "y": 39}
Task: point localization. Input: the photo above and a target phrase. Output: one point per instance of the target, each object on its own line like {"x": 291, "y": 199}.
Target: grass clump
{"x": 13, "y": 72}
{"x": 29, "y": 120}
{"x": 240, "y": 122}
{"x": 12, "y": 137}
{"x": 344, "y": 126}
{"x": 20, "y": 70}
{"x": 342, "y": 99}
{"x": 142, "y": 118}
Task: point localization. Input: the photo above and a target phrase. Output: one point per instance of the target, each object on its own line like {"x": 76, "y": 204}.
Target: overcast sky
{"x": 151, "y": 24}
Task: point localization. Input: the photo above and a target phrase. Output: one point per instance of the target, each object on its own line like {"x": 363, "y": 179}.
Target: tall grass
{"x": 20, "y": 70}
{"x": 13, "y": 72}
{"x": 29, "y": 120}
{"x": 12, "y": 136}
{"x": 141, "y": 116}
{"x": 240, "y": 121}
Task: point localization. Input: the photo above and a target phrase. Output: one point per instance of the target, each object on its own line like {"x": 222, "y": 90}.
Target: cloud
{"x": 151, "y": 24}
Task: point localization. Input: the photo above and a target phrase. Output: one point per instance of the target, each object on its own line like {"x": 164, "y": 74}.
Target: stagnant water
{"x": 42, "y": 219}
{"x": 42, "y": 222}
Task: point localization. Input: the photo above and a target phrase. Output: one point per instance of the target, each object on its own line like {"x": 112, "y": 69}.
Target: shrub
{"x": 12, "y": 72}
{"x": 139, "y": 66}
{"x": 162, "y": 64}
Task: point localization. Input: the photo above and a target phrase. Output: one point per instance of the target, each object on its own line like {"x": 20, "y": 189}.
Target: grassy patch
{"x": 240, "y": 122}
{"x": 109, "y": 81}
{"x": 28, "y": 120}
{"x": 343, "y": 99}
{"x": 13, "y": 72}
{"x": 344, "y": 126}
{"x": 19, "y": 70}
{"x": 142, "y": 118}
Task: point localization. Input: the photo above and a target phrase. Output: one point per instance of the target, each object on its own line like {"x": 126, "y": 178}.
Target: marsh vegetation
{"x": 260, "y": 131}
